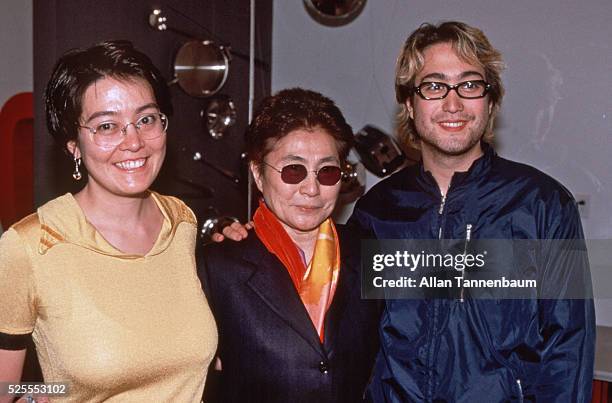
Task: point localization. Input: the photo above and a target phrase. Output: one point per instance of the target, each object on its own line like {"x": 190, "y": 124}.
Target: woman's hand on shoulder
{"x": 235, "y": 231}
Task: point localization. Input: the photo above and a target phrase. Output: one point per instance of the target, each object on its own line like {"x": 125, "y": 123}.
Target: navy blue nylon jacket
{"x": 476, "y": 350}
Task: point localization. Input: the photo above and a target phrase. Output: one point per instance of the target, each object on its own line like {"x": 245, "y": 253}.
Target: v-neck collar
{"x": 62, "y": 221}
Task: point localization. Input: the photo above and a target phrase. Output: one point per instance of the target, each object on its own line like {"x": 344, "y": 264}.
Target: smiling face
{"x": 129, "y": 168}
{"x": 452, "y": 126}
{"x": 302, "y": 207}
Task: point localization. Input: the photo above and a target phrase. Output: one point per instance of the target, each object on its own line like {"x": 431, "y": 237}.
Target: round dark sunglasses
{"x": 293, "y": 174}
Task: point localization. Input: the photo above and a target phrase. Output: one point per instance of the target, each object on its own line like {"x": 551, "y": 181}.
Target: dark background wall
{"x": 60, "y": 25}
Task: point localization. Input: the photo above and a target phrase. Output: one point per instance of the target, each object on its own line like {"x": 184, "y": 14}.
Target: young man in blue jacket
{"x": 468, "y": 349}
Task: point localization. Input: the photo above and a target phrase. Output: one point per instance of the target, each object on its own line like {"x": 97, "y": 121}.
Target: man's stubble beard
{"x": 453, "y": 144}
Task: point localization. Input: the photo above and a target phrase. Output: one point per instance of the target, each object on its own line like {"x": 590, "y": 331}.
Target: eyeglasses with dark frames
{"x": 471, "y": 89}
{"x": 110, "y": 133}
{"x": 293, "y": 174}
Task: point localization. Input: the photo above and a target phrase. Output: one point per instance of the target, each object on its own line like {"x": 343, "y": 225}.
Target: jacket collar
{"x": 349, "y": 279}
{"x": 272, "y": 284}
{"x": 477, "y": 171}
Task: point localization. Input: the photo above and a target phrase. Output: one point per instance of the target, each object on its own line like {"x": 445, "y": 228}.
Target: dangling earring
{"x": 77, "y": 174}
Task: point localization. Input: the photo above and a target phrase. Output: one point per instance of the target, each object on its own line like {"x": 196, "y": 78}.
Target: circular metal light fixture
{"x": 334, "y": 13}
{"x": 219, "y": 115}
{"x": 201, "y": 67}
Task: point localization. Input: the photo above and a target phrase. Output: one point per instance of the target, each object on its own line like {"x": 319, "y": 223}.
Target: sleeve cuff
{"x": 13, "y": 341}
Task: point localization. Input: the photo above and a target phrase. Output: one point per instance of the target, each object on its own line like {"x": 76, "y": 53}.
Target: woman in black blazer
{"x": 292, "y": 324}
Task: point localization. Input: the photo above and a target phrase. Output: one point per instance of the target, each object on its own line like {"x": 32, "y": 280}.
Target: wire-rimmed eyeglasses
{"x": 110, "y": 133}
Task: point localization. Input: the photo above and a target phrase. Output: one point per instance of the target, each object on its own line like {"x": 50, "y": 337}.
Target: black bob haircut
{"x": 77, "y": 69}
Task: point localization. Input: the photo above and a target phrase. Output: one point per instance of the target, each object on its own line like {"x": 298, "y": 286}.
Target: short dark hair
{"x": 77, "y": 69}
{"x": 294, "y": 109}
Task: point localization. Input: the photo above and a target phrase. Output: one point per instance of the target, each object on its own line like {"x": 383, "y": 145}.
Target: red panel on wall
{"x": 16, "y": 158}
{"x": 600, "y": 392}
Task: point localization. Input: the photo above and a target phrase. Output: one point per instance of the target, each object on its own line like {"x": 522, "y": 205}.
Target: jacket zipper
{"x": 440, "y": 212}
{"x": 468, "y": 237}
{"x": 520, "y": 388}
{"x": 430, "y": 353}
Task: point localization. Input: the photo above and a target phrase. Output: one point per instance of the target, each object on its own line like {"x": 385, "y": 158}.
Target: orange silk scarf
{"x": 316, "y": 284}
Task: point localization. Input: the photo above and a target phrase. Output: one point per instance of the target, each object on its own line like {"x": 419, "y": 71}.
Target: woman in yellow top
{"x": 105, "y": 280}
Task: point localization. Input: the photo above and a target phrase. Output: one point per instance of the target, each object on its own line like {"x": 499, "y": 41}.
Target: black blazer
{"x": 268, "y": 346}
